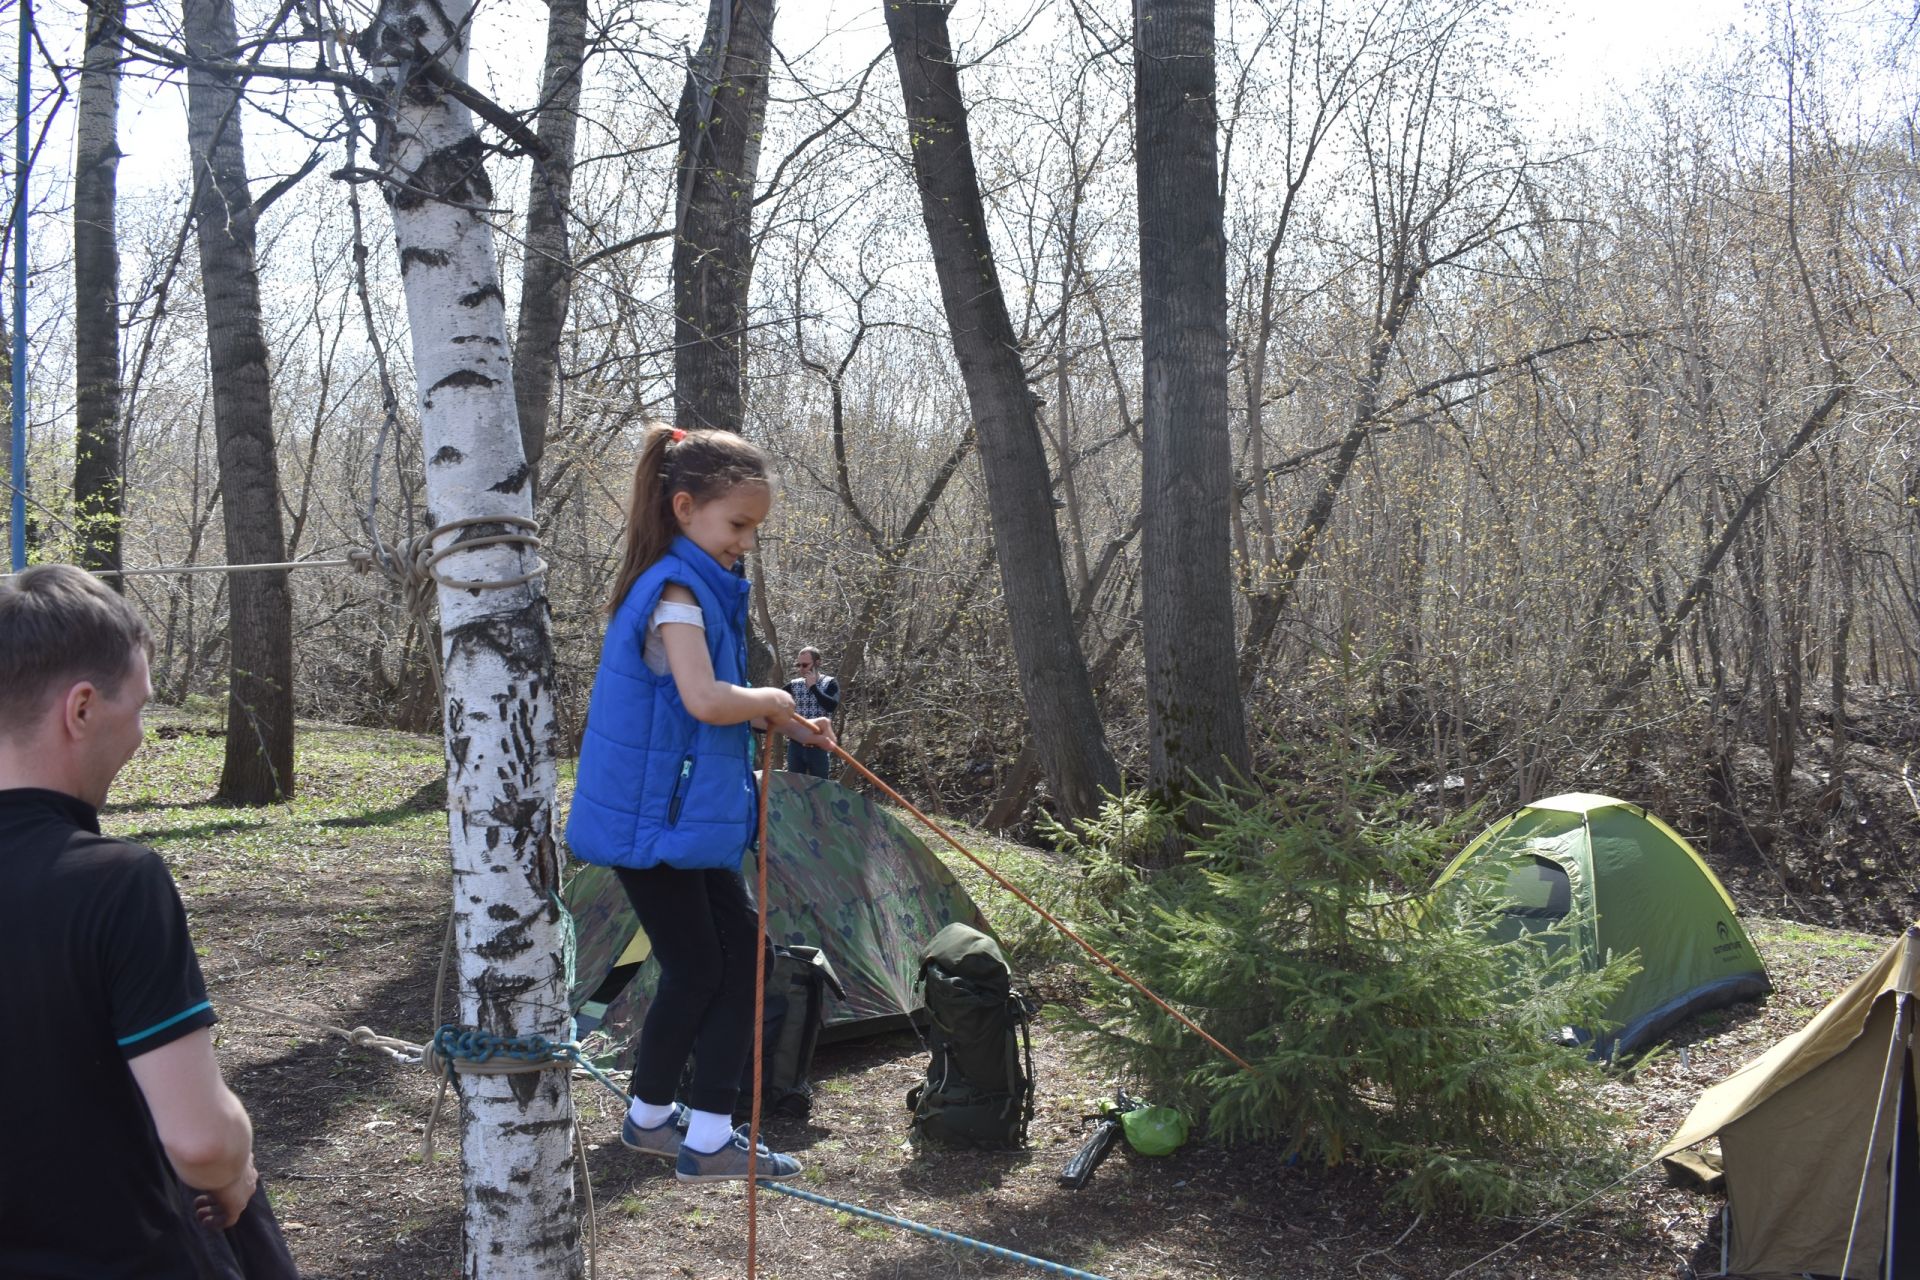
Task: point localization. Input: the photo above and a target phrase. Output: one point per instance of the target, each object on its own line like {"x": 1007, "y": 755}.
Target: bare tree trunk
{"x": 259, "y": 756}
{"x": 1065, "y": 719}
{"x": 768, "y": 636}
{"x": 1196, "y": 724}
{"x": 1263, "y": 615}
{"x": 1840, "y": 615}
{"x": 516, "y": 1154}
{"x": 1017, "y": 783}
{"x": 720, "y": 116}
{"x": 891, "y": 550}
{"x": 546, "y": 281}
{"x": 98, "y": 501}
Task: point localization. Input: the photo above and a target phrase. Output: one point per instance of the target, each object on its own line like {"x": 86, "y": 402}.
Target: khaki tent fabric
{"x": 1795, "y": 1126}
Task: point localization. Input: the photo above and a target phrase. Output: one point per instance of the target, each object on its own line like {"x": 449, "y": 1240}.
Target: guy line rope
{"x": 759, "y": 1036}
{"x": 759, "y": 992}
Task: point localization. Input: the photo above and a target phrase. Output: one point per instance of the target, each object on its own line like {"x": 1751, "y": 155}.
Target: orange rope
{"x": 1046, "y": 915}
{"x": 759, "y": 1008}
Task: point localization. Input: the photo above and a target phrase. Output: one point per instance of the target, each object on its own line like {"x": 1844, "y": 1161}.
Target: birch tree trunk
{"x": 721, "y": 110}
{"x": 546, "y": 281}
{"x": 259, "y": 755}
{"x": 1064, "y": 719}
{"x": 1196, "y": 724}
{"x": 98, "y": 501}
{"x": 516, "y": 1154}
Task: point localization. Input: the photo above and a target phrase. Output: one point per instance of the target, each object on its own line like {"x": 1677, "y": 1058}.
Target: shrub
{"x": 1382, "y": 1025}
{"x": 1127, "y": 833}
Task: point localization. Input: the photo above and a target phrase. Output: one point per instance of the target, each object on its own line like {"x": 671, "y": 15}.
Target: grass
{"x": 369, "y": 829}
{"x": 860, "y": 1226}
{"x": 357, "y": 790}
{"x": 1831, "y": 942}
{"x": 1029, "y": 941}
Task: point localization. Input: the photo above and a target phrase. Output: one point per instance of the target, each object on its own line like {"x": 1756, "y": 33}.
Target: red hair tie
{"x": 678, "y": 435}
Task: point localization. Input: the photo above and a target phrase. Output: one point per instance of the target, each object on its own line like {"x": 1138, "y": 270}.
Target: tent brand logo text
{"x": 1727, "y": 945}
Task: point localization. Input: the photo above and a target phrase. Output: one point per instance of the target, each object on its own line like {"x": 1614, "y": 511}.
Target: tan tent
{"x": 1818, "y": 1138}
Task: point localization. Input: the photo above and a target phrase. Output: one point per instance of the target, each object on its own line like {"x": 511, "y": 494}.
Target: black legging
{"x": 703, "y": 928}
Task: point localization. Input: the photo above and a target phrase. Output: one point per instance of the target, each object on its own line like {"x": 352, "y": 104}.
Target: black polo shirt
{"x": 96, "y": 968}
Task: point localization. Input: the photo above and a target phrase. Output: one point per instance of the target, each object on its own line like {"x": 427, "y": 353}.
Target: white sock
{"x": 648, "y": 1115}
{"x": 708, "y": 1131}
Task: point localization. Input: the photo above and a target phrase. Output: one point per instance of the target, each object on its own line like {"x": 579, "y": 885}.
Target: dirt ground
{"x": 332, "y": 909}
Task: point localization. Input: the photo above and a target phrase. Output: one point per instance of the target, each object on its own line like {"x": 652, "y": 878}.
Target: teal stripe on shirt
{"x": 182, "y": 1016}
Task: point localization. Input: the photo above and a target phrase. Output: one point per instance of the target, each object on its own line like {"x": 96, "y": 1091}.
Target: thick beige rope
{"x": 413, "y": 566}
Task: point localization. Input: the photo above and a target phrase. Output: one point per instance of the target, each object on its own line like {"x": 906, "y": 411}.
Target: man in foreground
{"x": 111, "y": 1083}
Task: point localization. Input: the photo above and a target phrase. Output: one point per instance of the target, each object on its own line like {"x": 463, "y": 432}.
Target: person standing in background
{"x": 815, "y": 696}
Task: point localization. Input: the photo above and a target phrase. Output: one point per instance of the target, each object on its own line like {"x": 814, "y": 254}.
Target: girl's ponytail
{"x": 703, "y": 463}
{"x": 650, "y": 524}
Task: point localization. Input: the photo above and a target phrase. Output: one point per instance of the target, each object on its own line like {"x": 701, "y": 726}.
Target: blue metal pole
{"x": 23, "y": 116}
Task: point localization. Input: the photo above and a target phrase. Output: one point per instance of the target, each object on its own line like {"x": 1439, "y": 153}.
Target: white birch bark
{"x": 516, "y": 1153}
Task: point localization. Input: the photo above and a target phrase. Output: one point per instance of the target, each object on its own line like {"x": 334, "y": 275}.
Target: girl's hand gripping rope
{"x": 808, "y": 733}
{"x": 811, "y": 733}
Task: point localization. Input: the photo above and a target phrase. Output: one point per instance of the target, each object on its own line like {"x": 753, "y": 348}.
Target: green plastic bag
{"x": 1154, "y": 1131}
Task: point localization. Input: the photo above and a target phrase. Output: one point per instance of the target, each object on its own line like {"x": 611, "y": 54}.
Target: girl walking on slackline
{"x": 665, "y": 793}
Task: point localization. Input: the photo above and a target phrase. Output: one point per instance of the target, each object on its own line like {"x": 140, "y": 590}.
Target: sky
{"x": 1594, "y": 50}
{"x": 1587, "y": 47}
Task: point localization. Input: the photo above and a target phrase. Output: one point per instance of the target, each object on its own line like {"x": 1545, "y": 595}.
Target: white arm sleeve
{"x": 655, "y": 654}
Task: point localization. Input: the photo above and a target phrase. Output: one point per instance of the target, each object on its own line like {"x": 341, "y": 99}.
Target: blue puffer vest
{"x": 655, "y": 785}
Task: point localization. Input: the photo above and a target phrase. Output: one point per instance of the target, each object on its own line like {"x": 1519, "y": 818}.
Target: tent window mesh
{"x": 1538, "y": 890}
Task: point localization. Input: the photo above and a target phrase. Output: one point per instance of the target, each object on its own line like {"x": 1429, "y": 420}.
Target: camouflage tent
{"x": 845, "y": 876}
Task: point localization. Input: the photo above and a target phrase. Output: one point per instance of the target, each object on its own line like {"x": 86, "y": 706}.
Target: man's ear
{"x": 78, "y": 706}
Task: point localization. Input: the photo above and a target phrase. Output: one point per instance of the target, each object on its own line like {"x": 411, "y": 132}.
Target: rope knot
{"x": 413, "y": 567}
{"x": 471, "y": 1051}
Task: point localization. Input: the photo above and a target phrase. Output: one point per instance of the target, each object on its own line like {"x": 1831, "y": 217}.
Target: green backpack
{"x": 979, "y": 1089}
{"x": 798, "y": 979}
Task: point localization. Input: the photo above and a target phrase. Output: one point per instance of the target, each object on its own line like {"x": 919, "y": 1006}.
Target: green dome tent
{"x": 1629, "y": 882}
{"x": 844, "y": 876}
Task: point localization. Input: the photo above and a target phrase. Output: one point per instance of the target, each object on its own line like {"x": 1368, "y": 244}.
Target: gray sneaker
{"x": 729, "y": 1163}
{"x": 661, "y": 1140}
